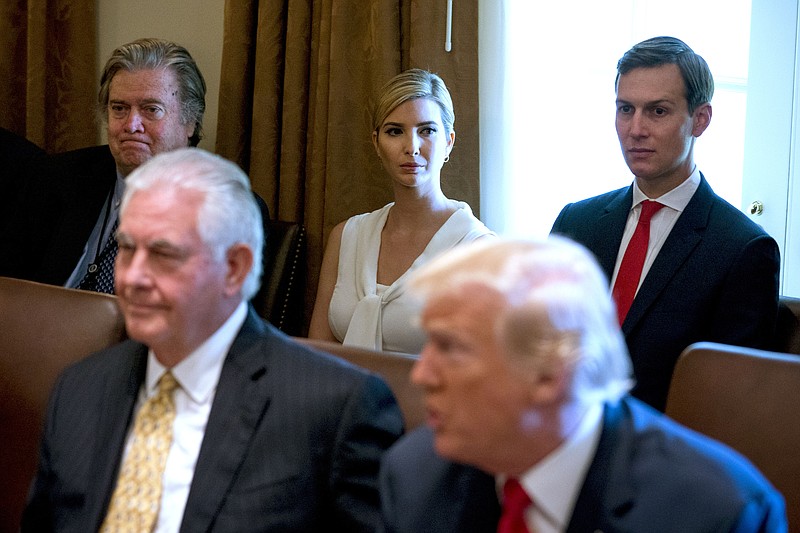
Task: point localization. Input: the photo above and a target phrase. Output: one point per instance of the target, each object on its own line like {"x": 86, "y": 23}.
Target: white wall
{"x": 194, "y": 24}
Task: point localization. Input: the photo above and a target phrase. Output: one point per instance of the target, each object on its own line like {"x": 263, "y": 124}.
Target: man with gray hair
{"x": 151, "y": 100}
{"x": 208, "y": 419}
{"x": 525, "y": 377}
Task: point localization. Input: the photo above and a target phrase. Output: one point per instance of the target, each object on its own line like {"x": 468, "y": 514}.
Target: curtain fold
{"x": 48, "y": 63}
{"x": 297, "y": 88}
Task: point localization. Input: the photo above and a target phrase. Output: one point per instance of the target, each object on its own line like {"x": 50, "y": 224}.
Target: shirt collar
{"x": 555, "y": 482}
{"x": 199, "y": 373}
{"x": 677, "y": 199}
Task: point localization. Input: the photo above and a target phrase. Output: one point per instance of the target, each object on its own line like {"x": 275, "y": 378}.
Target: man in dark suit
{"x": 708, "y": 273}
{"x": 264, "y": 435}
{"x": 524, "y": 377}
{"x": 152, "y": 99}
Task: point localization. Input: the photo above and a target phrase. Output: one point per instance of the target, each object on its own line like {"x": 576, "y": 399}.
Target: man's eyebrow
{"x": 650, "y": 103}
{"x": 163, "y": 244}
{"x": 157, "y": 244}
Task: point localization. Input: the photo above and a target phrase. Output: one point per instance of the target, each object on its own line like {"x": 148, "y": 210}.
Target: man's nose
{"x": 134, "y": 122}
{"x": 423, "y": 373}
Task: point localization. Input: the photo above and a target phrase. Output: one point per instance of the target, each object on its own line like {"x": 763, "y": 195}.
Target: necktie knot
{"x": 515, "y": 502}
{"x": 649, "y": 208}
{"x": 167, "y": 384}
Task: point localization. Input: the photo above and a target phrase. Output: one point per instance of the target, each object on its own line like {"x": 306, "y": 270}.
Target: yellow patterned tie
{"x": 136, "y": 499}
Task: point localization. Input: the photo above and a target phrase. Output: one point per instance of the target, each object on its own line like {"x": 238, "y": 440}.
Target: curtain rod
{"x": 448, "y": 44}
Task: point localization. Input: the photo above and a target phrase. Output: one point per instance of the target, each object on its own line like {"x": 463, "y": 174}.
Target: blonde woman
{"x": 361, "y": 297}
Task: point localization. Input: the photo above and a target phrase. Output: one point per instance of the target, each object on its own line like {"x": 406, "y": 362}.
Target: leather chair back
{"x": 281, "y": 297}
{"x": 394, "y": 367}
{"x": 43, "y": 329}
{"x": 787, "y": 330}
{"x": 749, "y": 400}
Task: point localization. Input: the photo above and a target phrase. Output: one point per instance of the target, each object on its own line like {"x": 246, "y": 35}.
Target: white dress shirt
{"x": 555, "y": 482}
{"x": 675, "y": 201}
{"x": 197, "y": 376}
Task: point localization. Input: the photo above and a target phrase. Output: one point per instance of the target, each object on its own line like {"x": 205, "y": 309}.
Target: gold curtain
{"x": 297, "y": 86}
{"x": 47, "y": 64}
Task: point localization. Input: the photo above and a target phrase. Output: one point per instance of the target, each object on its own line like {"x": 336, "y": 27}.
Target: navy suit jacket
{"x": 293, "y": 441}
{"x": 56, "y": 211}
{"x": 648, "y": 474}
{"x": 715, "y": 279}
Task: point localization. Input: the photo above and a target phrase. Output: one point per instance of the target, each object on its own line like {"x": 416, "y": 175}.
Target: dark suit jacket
{"x": 649, "y": 474}
{"x": 59, "y": 205}
{"x": 16, "y": 153}
{"x": 293, "y": 441}
{"x": 715, "y": 279}
{"x": 62, "y": 198}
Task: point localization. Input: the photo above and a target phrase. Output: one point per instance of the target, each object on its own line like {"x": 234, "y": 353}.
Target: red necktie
{"x": 630, "y": 270}
{"x": 515, "y": 501}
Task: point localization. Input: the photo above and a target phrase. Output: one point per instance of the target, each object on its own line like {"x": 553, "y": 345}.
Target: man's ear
{"x": 239, "y": 260}
{"x": 701, "y": 118}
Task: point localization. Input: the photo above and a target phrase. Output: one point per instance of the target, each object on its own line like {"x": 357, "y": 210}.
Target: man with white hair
{"x": 208, "y": 419}
{"x": 525, "y": 377}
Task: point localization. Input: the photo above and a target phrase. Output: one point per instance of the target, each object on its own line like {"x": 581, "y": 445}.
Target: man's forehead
{"x": 147, "y": 80}
{"x": 463, "y": 305}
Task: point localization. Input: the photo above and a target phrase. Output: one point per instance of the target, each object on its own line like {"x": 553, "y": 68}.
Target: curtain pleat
{"x": 298, "y": 84}
{"x": 47, "y": 62}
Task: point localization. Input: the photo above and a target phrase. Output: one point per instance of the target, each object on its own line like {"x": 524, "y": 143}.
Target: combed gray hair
{"x": 229, "y": 213}
{"x": 152, "y": 54}
{"x": 558, "y": 307}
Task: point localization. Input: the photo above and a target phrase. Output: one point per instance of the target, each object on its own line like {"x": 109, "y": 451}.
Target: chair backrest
{"x": 787, "y": 330}
{"x": 43, "y": 329}
{"x": 280, "y": 299}
{"x": 395, "y": 369}
{"x": 748, "y": 399}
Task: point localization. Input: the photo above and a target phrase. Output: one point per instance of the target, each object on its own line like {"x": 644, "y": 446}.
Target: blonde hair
{"x": 410, "y": 85}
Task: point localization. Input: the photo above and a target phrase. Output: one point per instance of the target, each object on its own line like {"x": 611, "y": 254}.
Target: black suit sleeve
{"x": 370, "y": 423}
{"x": 37, "y": 515}
{"x": 748, "y": 299}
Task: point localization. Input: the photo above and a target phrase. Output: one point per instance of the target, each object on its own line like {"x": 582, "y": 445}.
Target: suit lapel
{"x": 681, "y": 242}
{"x": 604, "y": 499}
{"x": 88, "y": 180}
{"x": 472, "y": 495}
{"x": 119, "y": 398}
{"x": 240, "y": 402}
{"x": 611, "y": 226}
